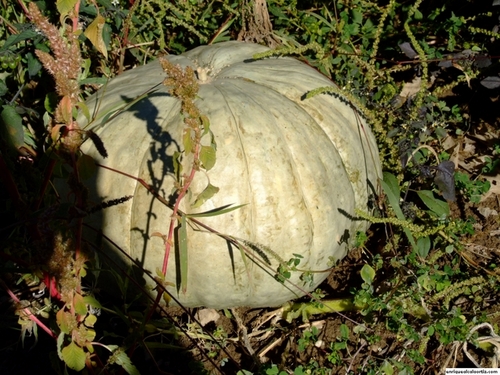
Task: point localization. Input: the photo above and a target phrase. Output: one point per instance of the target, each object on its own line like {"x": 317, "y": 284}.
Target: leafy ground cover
{"x": 422, "y": 283}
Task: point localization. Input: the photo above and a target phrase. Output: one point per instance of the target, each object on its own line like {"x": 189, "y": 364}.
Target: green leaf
{"x": 79, "y": 304}
{"x": 367, "y": 274}
{"x": 74, "y": 357}
{"x": 183, "y": 252}
{"x": 217, "y": 211}
{"x": 13, "y": 39}
{"x": 121, "y": 358}
{"x": 34, "y": 66}
{"x": 207, "y": 156}
{"x": 3, "y": 88}
{"x": 391, "y": 188}
{"x": 187, "y": 141}
{"x": 437, "y": 206}
{"x": 423, "y": 246}
{"x": 65, "y": 6}
{"x": 92, "y": 302}
{"x": 205, "y": 195}
{"x": 12, "y": 129}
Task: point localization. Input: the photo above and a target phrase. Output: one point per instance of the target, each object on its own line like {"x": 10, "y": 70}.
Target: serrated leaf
{"x": 60, "y": 342}
{"x": 74, "y": 357}
{"x": 208, "y": 157}
{"x": 94, "y": 33}
{"x": 12, "y": 127}
{"x": 65, "y": 321}
{"x": 205, "y": 195}
{"x": 121, "y": 358}
{"x": 183, "y": 253}
{"x": 439, "y": 207}
{"x": 367, "y": 274}
{"x": 445, "y": 179}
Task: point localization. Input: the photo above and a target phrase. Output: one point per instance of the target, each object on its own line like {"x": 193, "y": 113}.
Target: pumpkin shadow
{"x": 132, "y": 270}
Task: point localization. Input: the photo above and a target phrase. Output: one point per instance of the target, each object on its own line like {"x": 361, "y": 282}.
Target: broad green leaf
{"x": 12, "y": 127}
{"x": 65, "y": 321}
{"x": 207, "y": 156}
{"x": 34, "y": 66}
{"x": 423, "y": 246}
{"x": 90, "y": 320}
{"x": 437, "y": 206}
{"x": 94, "y": 34}
{"x": 391, "y": 188}
{"x": 217, "y": 211}
{"x": 74, "y": 357}
{"x": 183, "y": 252}
{"x": 367, "y": 274}
{"x": 65, "y": 6}
{"x": 205, "y": 195}
{"x": 92, "y": 302}
{"x": 79, "y": 304}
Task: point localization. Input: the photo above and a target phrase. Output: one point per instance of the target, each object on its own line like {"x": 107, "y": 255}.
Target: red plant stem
{"x": 182, "y": 194}
{"x": 27, "y": 311}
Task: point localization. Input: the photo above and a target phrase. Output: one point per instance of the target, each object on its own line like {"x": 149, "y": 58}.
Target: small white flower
{"x": 115, "y": 3}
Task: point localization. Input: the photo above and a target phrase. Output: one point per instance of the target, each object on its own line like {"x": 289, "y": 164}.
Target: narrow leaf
{"x": 205, "y": 195}
{"x": 391, "y": 188}
{"x": 183, "y": 253}
{"x": 74, "y": 357}
{"x": 439, "y": 207}
{"x": 217, "y": 211}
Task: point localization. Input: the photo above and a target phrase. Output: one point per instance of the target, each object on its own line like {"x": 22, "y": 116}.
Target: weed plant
{"x": 405, "y": 66}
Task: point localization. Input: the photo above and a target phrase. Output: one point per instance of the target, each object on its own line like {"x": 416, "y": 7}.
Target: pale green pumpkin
{"x": 296, "y": 164}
